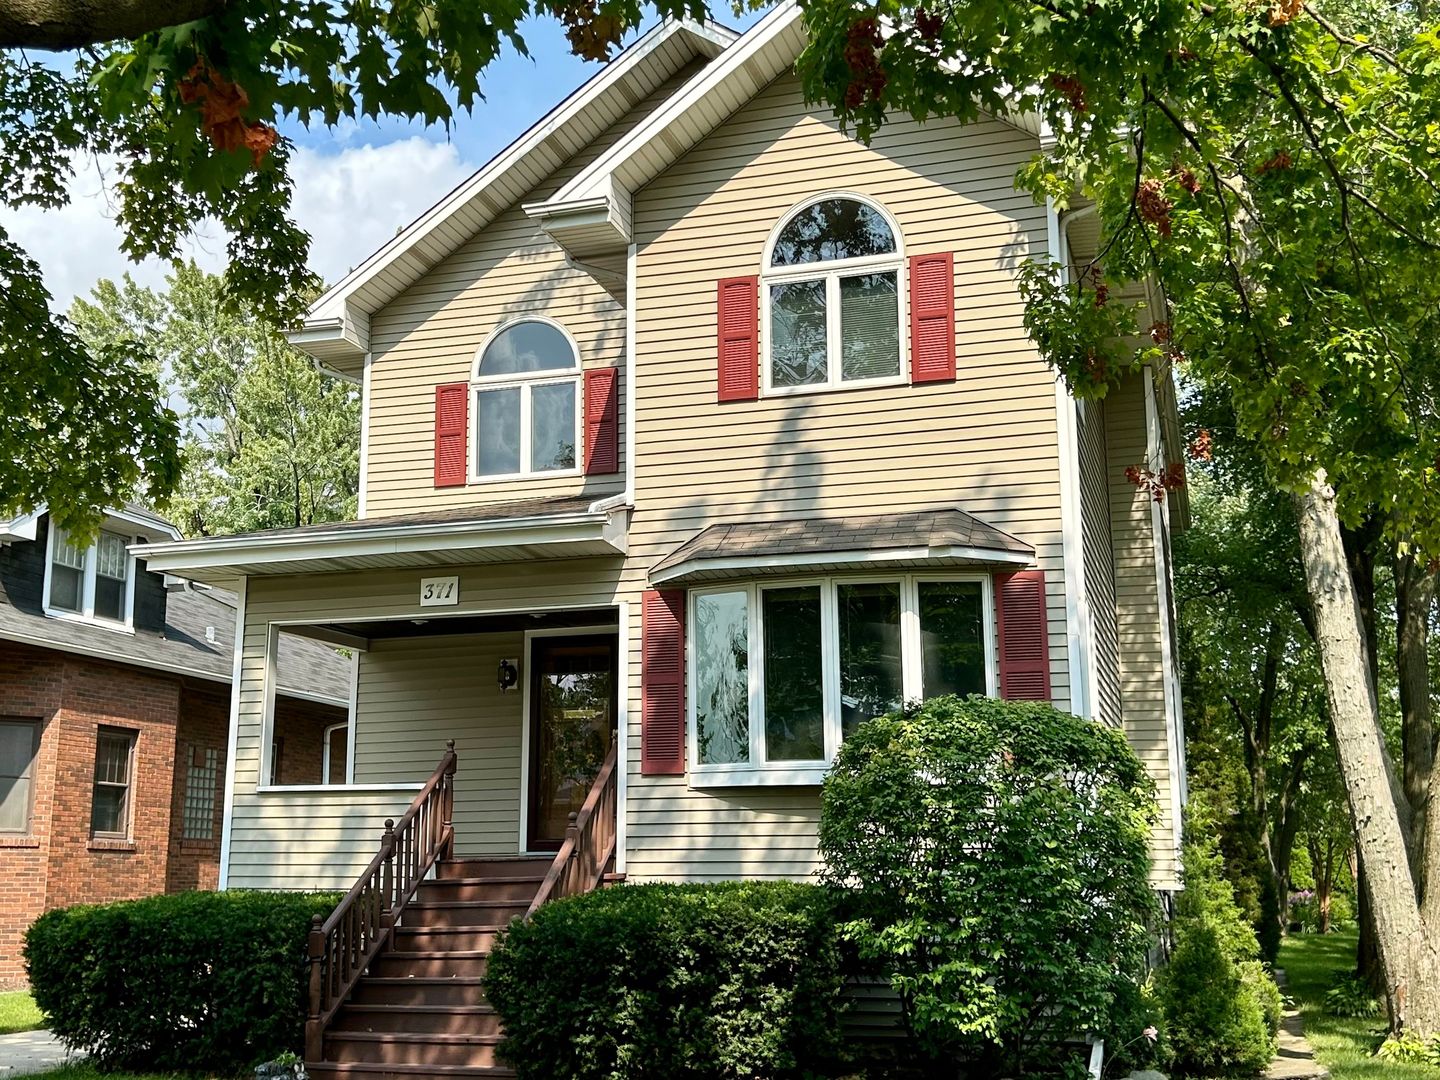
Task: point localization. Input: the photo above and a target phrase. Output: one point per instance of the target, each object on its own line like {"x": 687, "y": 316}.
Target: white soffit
{"x": 336, "y": 329}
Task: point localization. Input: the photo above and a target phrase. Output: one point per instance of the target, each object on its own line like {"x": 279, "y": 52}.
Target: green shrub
{"x": 1351, "y": 996}
{"x": 738, "y": 979}
{"x": 998, "y": 854}
{"x": 1221, "y": 1007}
{"x": 197, "y": 981}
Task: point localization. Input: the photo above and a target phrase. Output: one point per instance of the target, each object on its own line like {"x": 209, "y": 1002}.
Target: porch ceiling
{"x": 382, "y": 629}
{"x": 519, "y": 531}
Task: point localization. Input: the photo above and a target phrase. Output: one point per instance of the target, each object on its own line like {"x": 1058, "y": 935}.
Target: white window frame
{"x": 86, "y": 614}
{"x": 757, "y": 771}
{"x": 526, "y": 384}
{"x": 831, "y": 273}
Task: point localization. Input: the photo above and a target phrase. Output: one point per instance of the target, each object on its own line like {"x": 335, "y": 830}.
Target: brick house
{"x": 114, "y": 710}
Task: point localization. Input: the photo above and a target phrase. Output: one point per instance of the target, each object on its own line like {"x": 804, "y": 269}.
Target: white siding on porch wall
{"x": 323, "y": 839}
{"x": 986, "y": 443}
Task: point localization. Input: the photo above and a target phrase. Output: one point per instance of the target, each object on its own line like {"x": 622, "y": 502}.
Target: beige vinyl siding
{"x": 322, "y": 839}
{"x": 1138, "y": 614}
{"x": 429, "y": 336}
{"x": 1099, "y": 558}
{"x": 414, "y": 694}
{"x": 986, "y": 443}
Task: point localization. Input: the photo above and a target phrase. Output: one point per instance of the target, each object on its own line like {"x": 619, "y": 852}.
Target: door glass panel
{"x": 952, "y": 638}
{"x": 794, "y": 699}
{"x": 573, "y": 725}
{"x": 870, "y": 672}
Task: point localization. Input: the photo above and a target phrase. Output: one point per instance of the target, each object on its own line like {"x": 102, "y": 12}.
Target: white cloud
{"x": 350, "y": 201}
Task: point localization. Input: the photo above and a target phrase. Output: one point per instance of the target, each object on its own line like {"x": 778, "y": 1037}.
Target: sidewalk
{"x": 1294, "y": 1058}
{"x": 27, "y": 1052}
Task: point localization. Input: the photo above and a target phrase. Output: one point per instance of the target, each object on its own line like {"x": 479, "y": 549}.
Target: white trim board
{"x": 740, "y": 564}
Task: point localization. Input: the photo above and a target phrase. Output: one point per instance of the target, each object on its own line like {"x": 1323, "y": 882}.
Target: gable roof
{"x": 22, "y": 527}
{"x": 336, "y": 330}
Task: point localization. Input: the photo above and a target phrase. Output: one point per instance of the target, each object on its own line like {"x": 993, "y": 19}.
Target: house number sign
{"x": 439, "y": 591}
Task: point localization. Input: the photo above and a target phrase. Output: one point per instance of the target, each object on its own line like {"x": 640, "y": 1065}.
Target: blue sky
{"x": 354, "y": 186}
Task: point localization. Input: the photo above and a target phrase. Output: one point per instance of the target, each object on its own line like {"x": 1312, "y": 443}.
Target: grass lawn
{"x": 1346, "y": 1047}
{"x": 18, "y": 1012}
{"x": 85, "y": 1071}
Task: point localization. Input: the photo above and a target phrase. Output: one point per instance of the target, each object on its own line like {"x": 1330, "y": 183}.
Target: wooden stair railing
{"x": 342, "y": 946}
{"x": 580, "y": 863}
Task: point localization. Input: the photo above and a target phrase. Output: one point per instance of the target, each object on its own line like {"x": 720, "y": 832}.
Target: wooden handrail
{"x": 342, "y": 946}
{"x": 589, "y": 843}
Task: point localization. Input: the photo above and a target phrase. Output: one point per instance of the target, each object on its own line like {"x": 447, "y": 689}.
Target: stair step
{"x": 425, "y": 1048}
{"x": 417, "y": 1019}
{"x": 434, "y": 914}
{"x": 521, "y": 887}
{"x": 512, "y": 866}
{"x": 367, "y": 1070}
{"x": 428, "y": 963}
{"x": 421, "y": 990}
{"x": 446, "y": 938}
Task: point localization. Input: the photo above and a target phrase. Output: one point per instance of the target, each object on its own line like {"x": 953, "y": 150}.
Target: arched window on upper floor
{"x": 526, "y": 387}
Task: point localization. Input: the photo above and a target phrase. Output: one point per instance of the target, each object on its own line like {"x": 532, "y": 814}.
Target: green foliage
{"x": 1410, "y": 1048}
{"x": 200, "y": 981}
{"x": 1222, "y": 1009}
{"x": 268, "y": 441}
{"x": 1267, "y": 164}
{"x": 1349, "y": 995}
{"x": 185, "y": 116}
{"x": 998, "y": 853}
{"x": 739, "y": 979}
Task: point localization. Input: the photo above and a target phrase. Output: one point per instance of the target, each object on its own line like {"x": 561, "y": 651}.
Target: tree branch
{"x": 74, "y": 24}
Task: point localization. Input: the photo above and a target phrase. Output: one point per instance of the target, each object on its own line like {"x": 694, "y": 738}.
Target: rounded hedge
{"x": 999, "y": 854}
{"x": 734, "y": 979}
{"x": 195, "y": 981}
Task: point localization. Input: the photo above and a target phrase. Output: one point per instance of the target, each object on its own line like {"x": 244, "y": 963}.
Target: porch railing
{"x": 342, "y": 946}
{"x": 580, "y": 863}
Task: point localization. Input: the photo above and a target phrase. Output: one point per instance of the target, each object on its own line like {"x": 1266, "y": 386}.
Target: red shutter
{"x": 932, "y": 318}
{"x": 738, "y": 325}
{"x": 451, "y": 433}
{"x": 662, "y": 683}
{"x": 602, "y": 420}
{"x": 1023, "y": 631}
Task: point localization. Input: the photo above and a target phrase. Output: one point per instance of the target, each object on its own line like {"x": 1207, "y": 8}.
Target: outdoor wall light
{"x": 508, "y": 676}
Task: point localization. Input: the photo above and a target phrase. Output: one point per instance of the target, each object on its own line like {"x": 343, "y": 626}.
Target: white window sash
{"x": 525, "y": 386}
{"x": 57, "y": 542}
{"x": 758, "y": 768}
{"x": 831, "y": 274}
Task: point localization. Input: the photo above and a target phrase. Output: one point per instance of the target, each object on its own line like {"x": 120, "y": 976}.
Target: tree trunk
{"x": 70, "y": 24}
{"x": 1407, "y": 958}
{"x": 1414, "y": 597}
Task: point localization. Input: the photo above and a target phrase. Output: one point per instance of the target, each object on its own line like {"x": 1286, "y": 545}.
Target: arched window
{"x": 527, "y": 390}
{"x": 832, "y": 297}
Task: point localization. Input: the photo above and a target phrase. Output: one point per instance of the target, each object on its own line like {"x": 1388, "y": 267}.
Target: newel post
{"x": 387, "y": 875}
{"x": 448, "y": 802}
{"x": 314, "y": 1032}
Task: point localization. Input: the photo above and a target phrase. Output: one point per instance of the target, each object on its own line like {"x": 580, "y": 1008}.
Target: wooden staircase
{"x": 419, "y": 1009}
{"x": 396, "y": 988}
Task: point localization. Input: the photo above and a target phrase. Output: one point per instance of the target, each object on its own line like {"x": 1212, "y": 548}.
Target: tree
{"x": 268, "y": 441}
{"x": 1271, "y": 169}
{"x": 186, "y": 98}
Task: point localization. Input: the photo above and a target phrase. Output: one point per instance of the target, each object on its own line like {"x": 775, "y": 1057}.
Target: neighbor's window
{"x": 19, "y": 742}
{"x": 90, "y": 582}
{"x": 202, "y": 786}
{"x": 832, "y": 289}
{"x": 527, "y": 393}
{"x": 110, "y": 803}
{"x": 782, "y": 673}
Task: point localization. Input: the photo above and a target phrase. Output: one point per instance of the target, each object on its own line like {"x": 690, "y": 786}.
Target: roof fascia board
{"x": 228, "y": 551}
{"x": 333, "y": 304}
{"x": 590, "y": 180}
{"x": 842, "y": 558}
{"x": 24, "y": 526}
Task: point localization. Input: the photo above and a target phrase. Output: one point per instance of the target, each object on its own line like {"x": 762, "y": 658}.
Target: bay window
{"x": 780, "y": 674}
{"x": 832, "y": 298}
{"x": 527, "y": 392}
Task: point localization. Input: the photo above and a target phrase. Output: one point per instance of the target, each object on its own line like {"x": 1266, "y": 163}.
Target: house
{"x": 114, "y": 711}
{"x": 696, "y": 431}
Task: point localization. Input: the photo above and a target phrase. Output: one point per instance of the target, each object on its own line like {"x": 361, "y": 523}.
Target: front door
{"x": 572, "y": 724}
